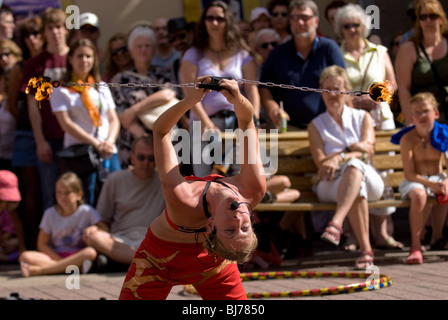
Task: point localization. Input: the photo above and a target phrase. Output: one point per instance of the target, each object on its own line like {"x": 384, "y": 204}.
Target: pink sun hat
{"x": 9, "y": 187}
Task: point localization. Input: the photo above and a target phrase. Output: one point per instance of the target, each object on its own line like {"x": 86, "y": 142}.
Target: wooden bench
{"x": 295, "y": 161}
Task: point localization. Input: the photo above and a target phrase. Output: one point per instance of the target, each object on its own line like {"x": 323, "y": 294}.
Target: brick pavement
{"x": 418, "y": 282}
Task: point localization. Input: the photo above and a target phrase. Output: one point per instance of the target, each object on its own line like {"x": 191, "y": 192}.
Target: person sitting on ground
{"x": 129, "y": 201}
{"x": 12, "y": 240}
{"x": 423, "y": 148}
{"x": 206, "y": 228}
{"x": 59, "y": 242}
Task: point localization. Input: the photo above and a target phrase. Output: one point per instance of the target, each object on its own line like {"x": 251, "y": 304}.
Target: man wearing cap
{"x": 89, "y": 27}
{"x": 9, "y": 201}
{"x": 259, "y": 19}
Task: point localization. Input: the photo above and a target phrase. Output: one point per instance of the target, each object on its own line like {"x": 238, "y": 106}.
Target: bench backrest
{"x": 295, "y": 161}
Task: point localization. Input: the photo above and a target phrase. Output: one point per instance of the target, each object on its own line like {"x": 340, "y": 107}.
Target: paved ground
{"x": 418, "y": 282}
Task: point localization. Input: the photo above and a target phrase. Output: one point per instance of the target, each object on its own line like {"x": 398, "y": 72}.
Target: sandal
{"x": 391, "y": 243}
{"x": 364, "y": 260}
{"x": 332, "y": 234}
{"x": 415, "y": 257}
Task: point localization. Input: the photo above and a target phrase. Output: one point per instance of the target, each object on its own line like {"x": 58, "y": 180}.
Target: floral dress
{"x": 126, "y": 97}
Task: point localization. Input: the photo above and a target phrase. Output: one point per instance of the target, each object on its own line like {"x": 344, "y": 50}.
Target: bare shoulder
{"x": 409, "y": 138}
{"x": 406, "y": 52}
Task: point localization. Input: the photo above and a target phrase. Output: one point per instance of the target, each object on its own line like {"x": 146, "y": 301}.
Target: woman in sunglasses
{"x": 278, "y": 9}
{"x": 218, "y": 50}
{"x": 117, "y": 57}
{"x": 422, "y": 62}
{"x": 206, "y": 228}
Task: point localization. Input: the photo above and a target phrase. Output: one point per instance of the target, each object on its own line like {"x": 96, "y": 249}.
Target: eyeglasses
{"x": 348, "y": 26}
{"x": 276, "y": 14}
{"x": 173, "y": 38}
{"x": 31, "y": 33}
{"x": 422, "y": 113}
{"x": 213, "y": 19}
{"x": 5, "y": 54}
{"x": 265, "y": 45}
{"x": 303, "y": 17}
{"x": 142, "y": 157}
{"x": 431, "y": 16}
{"x": 119, "y": 51}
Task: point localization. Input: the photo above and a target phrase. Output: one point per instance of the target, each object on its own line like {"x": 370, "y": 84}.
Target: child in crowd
{"x": 60, "y": 242}
{"x": 11, "y": 235}
{"x": 423, "y": 150}
{"x": 11, "y": 232}
{"x": 9, "y": 243}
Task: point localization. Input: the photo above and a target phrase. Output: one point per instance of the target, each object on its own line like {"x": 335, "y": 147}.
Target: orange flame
{"x": 382, "y": 91}
{"x": 44, "y": 88}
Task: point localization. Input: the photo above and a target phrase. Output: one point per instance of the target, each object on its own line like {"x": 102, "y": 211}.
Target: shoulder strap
{"x": 435, "y": 73}
{"x": 365, "y": 71}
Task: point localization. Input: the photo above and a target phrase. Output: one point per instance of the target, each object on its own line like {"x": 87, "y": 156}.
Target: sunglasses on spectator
{"x": 303, "y": 17}
{"x": 118, "y": 51}
{"x": 142, "y": 157}
{"x": 283, "y": 14}
{"x": 175, "y": 37}
{"x": 87, "y": 29}
{"x": 213, "y": 19}
{"x": 431, "y": 17}
{"x": 348, "y": 26}
{"x": 265, "y": 45}
{"x": 31, "y": 33}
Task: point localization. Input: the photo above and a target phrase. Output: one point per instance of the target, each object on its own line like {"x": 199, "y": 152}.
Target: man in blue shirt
{"x": 298, "y": 62}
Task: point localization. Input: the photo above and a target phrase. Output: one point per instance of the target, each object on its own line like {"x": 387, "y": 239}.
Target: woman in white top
{"x": 365, "y": 62}
{"x": 342, "y": 142}
{"x": 87, "y": 113}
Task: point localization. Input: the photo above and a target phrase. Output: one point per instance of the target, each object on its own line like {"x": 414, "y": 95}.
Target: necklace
{"x": 424, "y": 141}
{"x": 219, "y": 55}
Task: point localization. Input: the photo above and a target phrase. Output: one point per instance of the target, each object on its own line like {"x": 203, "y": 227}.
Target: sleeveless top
{"x": 214, "y": 102}
{"x": 423, "y": 77}
{"x": 336, "y": 138}
{"x": 370, "y": 67}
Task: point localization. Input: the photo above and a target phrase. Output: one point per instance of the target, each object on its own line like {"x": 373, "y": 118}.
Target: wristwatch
{"x": 344, "y": 159}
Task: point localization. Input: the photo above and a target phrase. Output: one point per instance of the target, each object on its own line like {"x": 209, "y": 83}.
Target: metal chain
{"x": 169, "y": 85}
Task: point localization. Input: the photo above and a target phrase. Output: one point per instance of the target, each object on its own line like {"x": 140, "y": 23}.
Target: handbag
{"x": 149, "y": 117}
{"x": 81, "y": 159}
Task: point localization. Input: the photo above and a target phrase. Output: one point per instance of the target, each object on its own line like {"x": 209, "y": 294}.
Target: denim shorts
{"x": 24, "y": 154}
